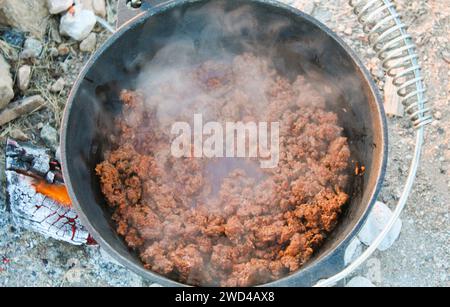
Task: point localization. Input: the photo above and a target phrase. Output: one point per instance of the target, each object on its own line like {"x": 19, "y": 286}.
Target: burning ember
{"x": 37, "y": 196}
{"x": 56, "y": 192}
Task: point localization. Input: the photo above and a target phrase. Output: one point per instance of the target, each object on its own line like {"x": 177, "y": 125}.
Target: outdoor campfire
{"x": 38, "y": 198}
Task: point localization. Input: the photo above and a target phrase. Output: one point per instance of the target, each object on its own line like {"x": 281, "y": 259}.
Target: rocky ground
{"x": 47, "y": 61}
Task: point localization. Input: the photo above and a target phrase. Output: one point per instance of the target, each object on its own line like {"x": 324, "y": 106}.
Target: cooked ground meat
{"x": 213, "y": 222}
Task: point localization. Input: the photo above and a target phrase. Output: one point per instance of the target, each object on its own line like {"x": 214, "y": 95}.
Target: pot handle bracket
{"x": 395, "y": 48}
{"x": 128, "y": 9}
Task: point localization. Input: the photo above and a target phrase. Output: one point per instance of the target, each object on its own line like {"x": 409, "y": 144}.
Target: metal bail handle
{"x": 395, "y": 48}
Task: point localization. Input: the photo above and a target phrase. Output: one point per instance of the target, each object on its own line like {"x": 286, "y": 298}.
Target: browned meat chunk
{"x": 208, "y": 222}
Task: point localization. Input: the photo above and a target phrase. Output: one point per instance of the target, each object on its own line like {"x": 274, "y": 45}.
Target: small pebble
{"x": 54, "y": 34}
{"x": 353, "y": 250}
{"x": 99, "y": 7}
{"x": 58, "y": 6}
{"x": 348, "y": 31}
{"x": 89, "y": 43}
{"x": 63, "y": 49}
{"x": 74, "y": 276}
{"x": 50, "y": 136}
{"x": 64, "y": 67}
{"x": 18, "y": 135}
{"x": 32, "y": 49}
{"x": 24, "y": 77}
{"x": 360, "y": 282}
{"x": 58, "y": 86}
{"x": 58, "y": 154}
{"x": 377, "y": 220}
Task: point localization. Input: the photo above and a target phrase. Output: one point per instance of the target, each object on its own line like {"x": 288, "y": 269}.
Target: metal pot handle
{"x": 398, "y": 53}
{"x": 128, "y": 9}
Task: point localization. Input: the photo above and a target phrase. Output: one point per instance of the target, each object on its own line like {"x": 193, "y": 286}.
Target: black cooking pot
{"x": 305, "y": 47}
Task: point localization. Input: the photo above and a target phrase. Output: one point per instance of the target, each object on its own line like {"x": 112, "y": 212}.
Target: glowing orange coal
{"x": 56, "y": 192}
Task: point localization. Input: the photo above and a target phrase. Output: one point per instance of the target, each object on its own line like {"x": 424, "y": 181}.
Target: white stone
{"x": 99, "y": 7}
{"x": 77, "y": 23}
{"x": 58, "y": 154}
{"x": 58, "y": 86}
{"x": 360, "y": 282}
{"x": 87, "y": 5}
{"x": 32, "y": 49}
{"x": 6, "y": 83}
{"x": 58, "y": 6}
{"x": 29, "y": 16}
{"x": 89, "y": 43}
{"x": 375, "y": 224}
{"x": 24, "y": 77}
{"x": 353, "y": 250}
{"x": 50, "y": 136}
{"x": 348, "y": 31}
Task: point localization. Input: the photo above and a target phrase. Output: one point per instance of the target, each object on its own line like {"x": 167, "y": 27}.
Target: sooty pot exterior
{"x": 304, "y": 47}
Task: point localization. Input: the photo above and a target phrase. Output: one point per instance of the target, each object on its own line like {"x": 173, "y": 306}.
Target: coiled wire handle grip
{"x": 394, "y": 46}
{"x": 398, "y": 53}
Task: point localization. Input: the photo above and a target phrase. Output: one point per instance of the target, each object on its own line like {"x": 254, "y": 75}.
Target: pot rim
{"x": 287, "y": 280}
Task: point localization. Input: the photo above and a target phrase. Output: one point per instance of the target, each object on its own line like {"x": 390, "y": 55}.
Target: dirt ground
{"x": 421, "y": 255}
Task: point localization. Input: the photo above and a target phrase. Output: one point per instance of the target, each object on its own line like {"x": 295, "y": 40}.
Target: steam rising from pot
{"x": 209, "y": 221}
